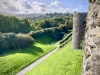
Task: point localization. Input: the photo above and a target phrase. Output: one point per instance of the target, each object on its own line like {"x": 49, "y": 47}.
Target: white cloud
{"x": 56, "y": 3}
{"x": 8, "y": 5}
{"x": 39, "y": 7}
{"x": 24, "y": 6}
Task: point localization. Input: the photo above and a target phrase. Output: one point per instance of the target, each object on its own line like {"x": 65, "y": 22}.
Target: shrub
{"x": 63, "y": 28}
{"x": 13, "y": 41}
{"x": 24, "y": 40}
{"x": 8, "y": 40}
{"x": 53, "y": 32}
{"x": 36, "y": 34}
{"x": 39, "y": 33}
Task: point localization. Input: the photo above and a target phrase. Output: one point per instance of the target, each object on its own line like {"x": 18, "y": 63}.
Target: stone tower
{"x": 79, "y": 24}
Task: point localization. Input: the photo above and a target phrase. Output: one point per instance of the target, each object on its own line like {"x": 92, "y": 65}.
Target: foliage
{"x": 65, "y": 38}
{"x": 65, "y": 61}
{"x": 24, "y": 40}
{"x": 52, "y": 22}
{"x": 25, "y": 25}
{"x": 36, "y": 34}
{"x": 15, "y": 41}
{"x": 63, "y": 28}
{"x": 13, "y": 62}
{"x": 87, "y": 56}
{"x": 56, "y": 14}
{"x": 69, "y": 21}
{"x": 44, "y": 24}
{"x": 53, "y": 32}
{"x": 8, "y": 41}
{"x": 13, "y": 24}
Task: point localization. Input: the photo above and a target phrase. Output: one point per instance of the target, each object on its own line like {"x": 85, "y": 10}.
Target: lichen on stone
{"x": 97, "y": 2}
{"x": 91, "y": 59}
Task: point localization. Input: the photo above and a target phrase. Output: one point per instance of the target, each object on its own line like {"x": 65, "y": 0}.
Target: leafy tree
{"x": 45, "y": 24}
{"x": 63, "y": 28}
{"x": 13, "y": 24}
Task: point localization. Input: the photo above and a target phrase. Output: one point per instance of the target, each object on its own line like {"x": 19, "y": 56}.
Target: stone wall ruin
{"x": 91, "y": 60}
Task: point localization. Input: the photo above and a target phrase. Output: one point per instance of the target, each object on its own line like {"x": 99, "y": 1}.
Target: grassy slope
{"x": 64, "y": 62}
{"x": 13, "y": 62}
{"x": 69, "y": 32}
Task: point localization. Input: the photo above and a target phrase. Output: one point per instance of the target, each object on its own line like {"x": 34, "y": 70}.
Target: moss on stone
{"x": 87, "y": 56}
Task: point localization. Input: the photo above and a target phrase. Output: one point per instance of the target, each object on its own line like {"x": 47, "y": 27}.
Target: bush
{"x": 63, "y": 28}
{"x": 36, "y": 34}
{"x": 24, "y": 40}
{"x": 42, "y": 32}
{"x": 53, "y": 32}
{"x": 15, "y": 41}
{"x": 8, "y": 40}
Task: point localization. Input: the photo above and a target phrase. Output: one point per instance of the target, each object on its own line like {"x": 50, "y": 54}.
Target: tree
{"x": 63, "y": 28}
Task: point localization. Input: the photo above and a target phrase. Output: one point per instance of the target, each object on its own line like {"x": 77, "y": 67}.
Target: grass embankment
{"x": 65, "y": 61}
{"x": 13, "y": 62}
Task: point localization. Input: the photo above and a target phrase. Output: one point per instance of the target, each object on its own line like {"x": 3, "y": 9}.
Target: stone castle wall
{"x": 91, "y": 61}
{"x": 79, "y": 24}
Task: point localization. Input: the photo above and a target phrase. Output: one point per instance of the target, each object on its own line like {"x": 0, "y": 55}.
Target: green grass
{"x": 65, "y": 61}
{"x": 13, "y": 62}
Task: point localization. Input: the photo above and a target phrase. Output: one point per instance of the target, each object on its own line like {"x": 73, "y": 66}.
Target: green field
{"x": 13, "y": 62}
{"x": 65, "y": 61}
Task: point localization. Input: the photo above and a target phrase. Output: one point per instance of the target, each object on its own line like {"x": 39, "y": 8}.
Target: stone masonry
{"x": 91, "y": 59}
{"x": 79, "y": 24}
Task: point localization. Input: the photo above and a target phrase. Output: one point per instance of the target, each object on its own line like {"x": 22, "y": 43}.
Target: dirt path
{"x": 27, "y": 69}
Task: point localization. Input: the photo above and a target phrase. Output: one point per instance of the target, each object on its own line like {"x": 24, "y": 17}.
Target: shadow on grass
{"x": 44, "y": 40}
{"x": 34, "y": 50}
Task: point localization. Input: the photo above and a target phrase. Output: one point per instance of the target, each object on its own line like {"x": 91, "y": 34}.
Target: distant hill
{"x": 31, "y": 15}
{"x": 28, "y": 15}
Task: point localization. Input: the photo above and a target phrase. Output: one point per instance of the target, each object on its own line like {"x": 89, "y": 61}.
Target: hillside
{"x": 65, "y": 61}
{"x": 13, "y": 62}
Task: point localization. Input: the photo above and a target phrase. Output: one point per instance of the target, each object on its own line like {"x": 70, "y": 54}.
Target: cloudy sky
{"x": 42, "y": 6}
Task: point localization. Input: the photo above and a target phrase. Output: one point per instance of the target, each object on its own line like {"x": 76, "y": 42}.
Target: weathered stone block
{"x": 97, "y": 22}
